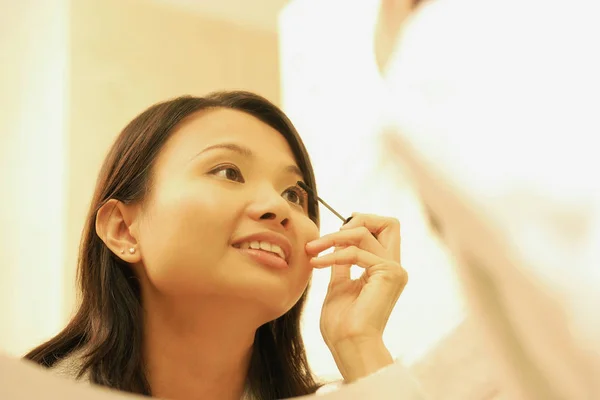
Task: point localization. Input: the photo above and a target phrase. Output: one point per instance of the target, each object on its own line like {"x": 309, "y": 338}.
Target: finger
{"x": 391, "y": 272}
{"x": 374, "y": 223}
{"x": 386, "y": 229}
{"x": 360, "y": 237}
{"x": 339, "y": 272}
{"x": 351, "y": 255}
{"x": 350, "y": 219}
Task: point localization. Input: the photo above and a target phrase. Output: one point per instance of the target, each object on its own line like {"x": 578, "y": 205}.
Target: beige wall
{"x": 130, "y": 54}
{"x": 64, "y": 99}
{"x": 33, "y": 60}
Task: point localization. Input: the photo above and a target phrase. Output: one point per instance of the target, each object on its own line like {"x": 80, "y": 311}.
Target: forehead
{"x": 216, "y": 126}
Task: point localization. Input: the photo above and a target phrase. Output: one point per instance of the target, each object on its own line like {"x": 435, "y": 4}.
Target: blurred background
{"x": 74, "y": 72}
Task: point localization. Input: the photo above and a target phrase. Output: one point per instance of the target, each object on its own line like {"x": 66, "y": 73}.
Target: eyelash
{"x": 302, "y": 195}
{"x": 226, "y": 167}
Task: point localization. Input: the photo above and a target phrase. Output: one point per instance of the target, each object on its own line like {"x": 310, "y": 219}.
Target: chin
{"x": 273, "y": 314}
{"x": 269, "y": 287}
{"x": 272, "y": 308}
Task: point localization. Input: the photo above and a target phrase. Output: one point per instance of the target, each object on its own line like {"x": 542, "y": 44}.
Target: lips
{"x": 269, "y": 242}
{"x": 263, "y": 246}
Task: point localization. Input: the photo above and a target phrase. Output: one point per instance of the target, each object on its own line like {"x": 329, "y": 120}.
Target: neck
{"x": 198, "y": 348}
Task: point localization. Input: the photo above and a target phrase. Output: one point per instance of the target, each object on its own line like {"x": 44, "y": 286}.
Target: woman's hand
{"x": 355, "y": 312}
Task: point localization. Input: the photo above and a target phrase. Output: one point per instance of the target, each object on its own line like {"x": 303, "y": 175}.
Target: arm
{"x": 357, "y": 360}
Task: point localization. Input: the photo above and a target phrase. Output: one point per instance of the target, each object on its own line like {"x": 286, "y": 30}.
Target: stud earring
{"x": 131, "y": 250}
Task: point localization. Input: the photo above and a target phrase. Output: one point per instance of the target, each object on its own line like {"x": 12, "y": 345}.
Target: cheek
{"x": 177, "y": 231}
{"x": 307, "y": 232}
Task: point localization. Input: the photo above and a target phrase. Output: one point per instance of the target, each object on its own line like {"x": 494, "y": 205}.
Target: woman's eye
{"x": 230, "y": 173}
{"x": 295, "y": 195}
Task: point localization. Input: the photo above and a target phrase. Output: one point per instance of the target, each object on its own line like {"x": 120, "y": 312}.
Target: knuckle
{"x": 404, "y": 277}
{"x": 395, "y": 222}
{"x": 353, "y": 252}
{"x": 364, "y": 231}
{"x": 398, "y": 276}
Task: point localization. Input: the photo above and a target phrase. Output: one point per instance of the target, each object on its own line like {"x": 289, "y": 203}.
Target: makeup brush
{"x": 311, "y": 193}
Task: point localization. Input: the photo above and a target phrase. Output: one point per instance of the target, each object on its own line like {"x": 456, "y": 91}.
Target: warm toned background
{"x": 75, "y": 72}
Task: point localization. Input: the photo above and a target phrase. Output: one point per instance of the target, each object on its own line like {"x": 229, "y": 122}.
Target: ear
{"x": 114, "y": 223}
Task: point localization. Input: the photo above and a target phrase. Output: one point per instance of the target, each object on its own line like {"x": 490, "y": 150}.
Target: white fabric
{"x": 496, "y": 104}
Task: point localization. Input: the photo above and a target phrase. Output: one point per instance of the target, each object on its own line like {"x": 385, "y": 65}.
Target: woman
{"x": 196, "y": 258}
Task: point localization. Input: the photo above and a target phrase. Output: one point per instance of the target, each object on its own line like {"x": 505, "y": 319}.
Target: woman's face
{"x": 224, "y": 182}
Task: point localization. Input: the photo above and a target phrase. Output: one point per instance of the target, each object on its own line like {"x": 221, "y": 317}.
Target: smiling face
{"x": 223, "y": 185}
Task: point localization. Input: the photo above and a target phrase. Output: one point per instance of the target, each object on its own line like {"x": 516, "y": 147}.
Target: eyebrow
{"x": 246, "y": 152}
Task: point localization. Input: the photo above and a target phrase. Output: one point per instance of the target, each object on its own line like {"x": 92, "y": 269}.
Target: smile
{"x": 263, "y": 246}
{"x": 268, "y": 248}
{"x": 264, "y": 257}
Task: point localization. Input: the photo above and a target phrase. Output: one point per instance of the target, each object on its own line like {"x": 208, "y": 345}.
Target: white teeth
{"x": 266, "y": 246}
{"x": 276, "y": 249}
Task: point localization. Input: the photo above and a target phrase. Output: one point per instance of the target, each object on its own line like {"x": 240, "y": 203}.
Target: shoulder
{"x": 70, "y": 366}
{"x": 329, "y": 387}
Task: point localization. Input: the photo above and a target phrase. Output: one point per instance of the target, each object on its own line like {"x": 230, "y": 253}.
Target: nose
{"x": 269, "y": 206}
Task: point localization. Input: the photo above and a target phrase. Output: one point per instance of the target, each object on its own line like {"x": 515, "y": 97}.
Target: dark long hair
{"x": 108, "y": 323}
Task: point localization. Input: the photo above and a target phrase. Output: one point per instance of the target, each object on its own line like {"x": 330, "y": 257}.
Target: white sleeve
{"x": 404, "y": 384}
